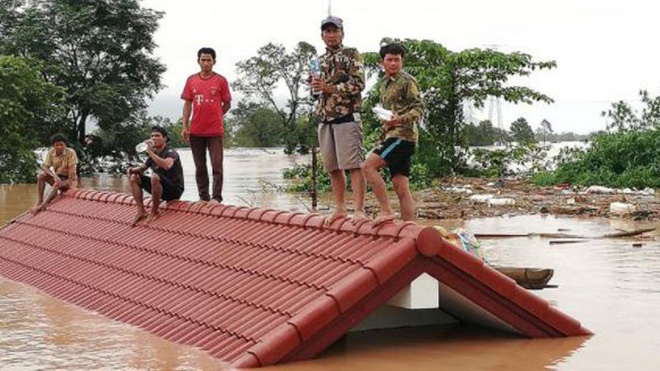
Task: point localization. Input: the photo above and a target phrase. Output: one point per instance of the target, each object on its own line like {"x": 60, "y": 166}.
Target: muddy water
{"x": 610, "y": 286}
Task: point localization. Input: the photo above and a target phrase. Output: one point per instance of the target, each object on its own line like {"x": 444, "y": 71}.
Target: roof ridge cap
{"x": 270, "y": 216}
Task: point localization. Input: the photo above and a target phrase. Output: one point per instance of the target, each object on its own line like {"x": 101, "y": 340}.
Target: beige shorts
{"x": 341, "y": 146}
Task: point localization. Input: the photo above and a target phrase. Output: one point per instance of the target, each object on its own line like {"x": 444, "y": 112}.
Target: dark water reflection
{"x": 610, "y": 286}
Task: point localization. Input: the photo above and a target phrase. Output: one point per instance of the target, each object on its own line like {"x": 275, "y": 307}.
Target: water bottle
{"x": 315, "y": 71}
{"x": 142, "y": 147}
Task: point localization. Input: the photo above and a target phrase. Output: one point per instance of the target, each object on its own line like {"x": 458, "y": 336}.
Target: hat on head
{"x": 336, "y": 21}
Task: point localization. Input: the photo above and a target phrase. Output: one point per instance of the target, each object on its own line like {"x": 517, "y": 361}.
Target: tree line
{"x": 520, "y": 131}
{"x": 70, "y": 66}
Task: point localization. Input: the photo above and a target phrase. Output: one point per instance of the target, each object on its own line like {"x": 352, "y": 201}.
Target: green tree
{"x": 99, "y": 51}
{"x": 625, "y": 156}
{"x": 622, "y": 117}
{"x": 544, "y": 131}
{"x": 450, "y": 80}
{"x": 521, "y": 132}
{"x": 484, "y": 134}
{"x": 27, "y": 103}
{"x": 273, "y": 67}
{"x": 254, "y": 125}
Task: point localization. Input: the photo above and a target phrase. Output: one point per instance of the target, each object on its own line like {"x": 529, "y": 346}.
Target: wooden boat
{"x": 529, "y": 278}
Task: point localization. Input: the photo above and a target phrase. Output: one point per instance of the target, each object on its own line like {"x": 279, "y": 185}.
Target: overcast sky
{"x": 605, "y": 50}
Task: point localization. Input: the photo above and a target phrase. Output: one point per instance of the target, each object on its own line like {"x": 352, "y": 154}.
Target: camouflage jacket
{"x": 343, "y": 69}
{"x": 400, "y": 94}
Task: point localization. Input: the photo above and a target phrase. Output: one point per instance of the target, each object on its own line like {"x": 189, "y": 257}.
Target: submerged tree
{"x": 273, "y": 67}
{"x": 253, "y": 125}
{"x": 450, "y": 80}
{"x": 521, "y": 132}
{"x": 544, "y": 130}
{"x": 484, "y": 134}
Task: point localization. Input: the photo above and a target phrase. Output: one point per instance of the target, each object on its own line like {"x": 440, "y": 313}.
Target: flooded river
{"x": 610, "y": 286}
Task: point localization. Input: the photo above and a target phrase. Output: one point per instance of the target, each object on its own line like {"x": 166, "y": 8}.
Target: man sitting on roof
{"x": 59, "y": 170}
{"x": 166, "y": 181}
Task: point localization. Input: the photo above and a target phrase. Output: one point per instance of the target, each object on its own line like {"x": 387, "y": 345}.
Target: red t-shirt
{"x": 207, "y": 96}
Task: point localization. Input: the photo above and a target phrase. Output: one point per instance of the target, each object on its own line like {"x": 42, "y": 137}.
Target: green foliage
{"x": 173, "y": 130}
{"x": 100, "y": 52}
{"x": 113, "y": 149}
{"x": 561, "y": 137}
{"x": 450, "y": 80}
{"x": 271, "y": 68}
{"x": 498, "y": 162}
{"x": 254, "y": 125}
{"x": 627, "y": 157}
{"x": 544, "y": 178}
{"x": 621, "y": 116}
{"x": 27, "y": 104}
{"x": 301, "y": 175}
{"x": 484, "y": 134}
{"x": 621, "y": 159}
{"x": 521, "y": 132}
{"x": 420, "y": 177}
{"x": 544, "y": 131}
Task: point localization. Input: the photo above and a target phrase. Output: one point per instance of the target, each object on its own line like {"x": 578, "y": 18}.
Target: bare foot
{"x": 36, "y": 209}
{"x": 139, "y": 216}
{"x": 153, "y": 217}
{"x": 358, "y": 216}
{"x": 214, "y": 202}
{"x": 383, "y": 218}
{"x": 338, "y": 214}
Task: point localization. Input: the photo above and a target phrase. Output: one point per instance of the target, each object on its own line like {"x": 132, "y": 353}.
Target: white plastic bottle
{"x": 142, "y": 147}
{"x": 315, "y": 71}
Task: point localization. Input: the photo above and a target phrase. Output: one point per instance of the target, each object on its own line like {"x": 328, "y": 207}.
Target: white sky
{"x": 605, "y": 50}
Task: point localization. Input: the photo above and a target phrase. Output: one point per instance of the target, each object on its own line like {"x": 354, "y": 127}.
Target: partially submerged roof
{"x": 252, "y": 287}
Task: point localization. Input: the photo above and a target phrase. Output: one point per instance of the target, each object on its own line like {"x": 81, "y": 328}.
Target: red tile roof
{"x": 252, "y": 287}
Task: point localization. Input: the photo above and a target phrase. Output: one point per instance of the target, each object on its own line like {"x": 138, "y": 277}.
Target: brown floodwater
{"x": 610, "y": 286}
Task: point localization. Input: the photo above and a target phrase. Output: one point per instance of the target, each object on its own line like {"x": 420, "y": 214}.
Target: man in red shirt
{"x": 207, "y": 97}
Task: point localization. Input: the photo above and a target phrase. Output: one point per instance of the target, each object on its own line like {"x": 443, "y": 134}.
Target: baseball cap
{"x": 334, "y": 21}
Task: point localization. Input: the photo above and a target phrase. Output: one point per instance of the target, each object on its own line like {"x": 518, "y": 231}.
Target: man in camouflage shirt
{"x": 400, "y": 94}
{"x": 339, "y": 100}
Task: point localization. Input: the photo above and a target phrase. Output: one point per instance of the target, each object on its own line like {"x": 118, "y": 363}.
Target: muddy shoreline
{"x": 471, "y": 198}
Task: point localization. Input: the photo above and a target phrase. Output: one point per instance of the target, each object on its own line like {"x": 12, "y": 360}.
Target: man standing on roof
{"x": 166, "y": 181}
{"x": 207, "y": 97}
{"x": 400, "y": 94}
{"x": 59, "y": 170}
{"x": 339, "y": 102}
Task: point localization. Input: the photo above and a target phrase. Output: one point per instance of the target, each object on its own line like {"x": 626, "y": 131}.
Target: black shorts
{"x": 397, "y": 153}
{"x": 170, "y": 191}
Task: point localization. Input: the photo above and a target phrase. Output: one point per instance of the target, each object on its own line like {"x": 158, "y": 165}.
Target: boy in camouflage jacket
{"x": 400, "y": 94}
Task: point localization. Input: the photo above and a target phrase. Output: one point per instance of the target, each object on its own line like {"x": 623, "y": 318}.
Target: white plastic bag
{"x": 621, "y": 208}
{"x": 480, "y": 199}
{"x": 382, "y": 113}
{"x": 501, "y": 202}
